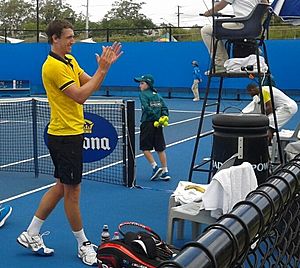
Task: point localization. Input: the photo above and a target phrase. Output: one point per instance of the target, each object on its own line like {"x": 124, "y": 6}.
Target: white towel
{"x": 228, "y": 187}
{"x": 188, "y": 196}
{"x": 235, "y": 65}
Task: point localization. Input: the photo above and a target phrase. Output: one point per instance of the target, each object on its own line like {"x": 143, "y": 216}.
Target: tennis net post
{"x": 130, "y": 144}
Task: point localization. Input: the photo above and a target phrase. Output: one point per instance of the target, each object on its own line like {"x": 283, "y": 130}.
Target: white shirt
{"x": 280, "y": 99}
{"x": 242, "y": 8}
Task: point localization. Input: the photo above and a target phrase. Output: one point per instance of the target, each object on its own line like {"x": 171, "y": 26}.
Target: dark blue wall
{"x": 170, "y": 63}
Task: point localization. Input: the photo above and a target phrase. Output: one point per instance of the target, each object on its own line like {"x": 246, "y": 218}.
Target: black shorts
{"x": 152, "y": 137}
{"x": 67, "y": 155}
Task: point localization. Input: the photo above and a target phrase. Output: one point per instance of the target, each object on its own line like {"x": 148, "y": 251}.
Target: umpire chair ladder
{"x": 259, "y": 36}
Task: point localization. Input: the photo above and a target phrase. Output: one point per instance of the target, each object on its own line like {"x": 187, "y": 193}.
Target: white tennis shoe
{"x": 35, "y": 243}
{"x": 5, "y": 212}
{"x": 88, "y": 254}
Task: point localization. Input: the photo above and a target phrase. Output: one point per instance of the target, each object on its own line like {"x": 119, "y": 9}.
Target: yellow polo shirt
{"x": 66, "y": 116}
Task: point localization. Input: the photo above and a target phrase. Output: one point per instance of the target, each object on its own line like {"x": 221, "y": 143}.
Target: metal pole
{"x": 178, "y": 15}
{"x": 37, "y": 22}
{"x": 34, "y": 137}
{"x": 87, "y": 20}
{"x": 130, "y": 143}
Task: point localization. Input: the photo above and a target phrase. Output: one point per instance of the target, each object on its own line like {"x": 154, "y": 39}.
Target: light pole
{"x": 37, "y": 22}
{"x": 87, "y": 20}
{"x": 178, "y": 15}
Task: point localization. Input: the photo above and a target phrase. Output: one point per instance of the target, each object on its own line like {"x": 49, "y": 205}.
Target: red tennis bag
{"x": 135, "y": 250}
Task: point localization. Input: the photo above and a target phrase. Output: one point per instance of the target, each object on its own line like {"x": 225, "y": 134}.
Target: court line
{"x": 24, "y": 161}
{"x": 110, "y": 165}
{"x": 184, "y": 121}
{"x": 26, "y": 193}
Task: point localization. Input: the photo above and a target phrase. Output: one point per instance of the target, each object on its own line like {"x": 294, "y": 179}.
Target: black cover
{"x": 243, "y": 48}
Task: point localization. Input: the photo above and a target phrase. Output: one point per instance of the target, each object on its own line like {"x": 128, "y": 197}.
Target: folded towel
{"x": 185, "y": 192}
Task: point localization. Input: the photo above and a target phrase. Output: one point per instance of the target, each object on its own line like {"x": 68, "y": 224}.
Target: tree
{"x": 126, "y": 14}
{"x": 14, "y": 13}
{"x": 55, "y": 9}
{"x": 49, "y": 10}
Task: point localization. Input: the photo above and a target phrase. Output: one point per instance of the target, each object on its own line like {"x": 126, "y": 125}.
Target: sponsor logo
{"x": 100, "y": 138}
{"x": 258, "y": 167}
{"x": 88, "y": 126}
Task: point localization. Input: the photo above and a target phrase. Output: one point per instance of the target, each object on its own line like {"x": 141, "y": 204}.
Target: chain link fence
{"x": 158, "y": 34}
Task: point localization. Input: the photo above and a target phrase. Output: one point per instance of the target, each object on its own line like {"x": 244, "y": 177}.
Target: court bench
{"x": 11, "y": 88}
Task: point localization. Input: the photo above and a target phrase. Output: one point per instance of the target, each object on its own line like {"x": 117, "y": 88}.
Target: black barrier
{"x": 261, "y": 231}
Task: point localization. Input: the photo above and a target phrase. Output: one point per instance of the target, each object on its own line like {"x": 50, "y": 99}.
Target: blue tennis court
{"x": 105, "y": 203}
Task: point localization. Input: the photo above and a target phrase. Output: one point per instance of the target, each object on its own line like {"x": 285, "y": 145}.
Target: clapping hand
{"x": 110, "y": 54}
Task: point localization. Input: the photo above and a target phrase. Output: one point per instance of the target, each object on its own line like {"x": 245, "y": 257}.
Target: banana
{"x": 196, "y": 187}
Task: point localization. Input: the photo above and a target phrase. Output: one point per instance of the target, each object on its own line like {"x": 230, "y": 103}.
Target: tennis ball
{"x": 156, "y": 124}
{"x": 161, "y": 120}
{"x": 166, "y": 123}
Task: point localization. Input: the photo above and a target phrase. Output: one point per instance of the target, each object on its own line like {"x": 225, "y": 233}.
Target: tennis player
{"x": 67, "y": 87}
{"x": 151, "y": 137}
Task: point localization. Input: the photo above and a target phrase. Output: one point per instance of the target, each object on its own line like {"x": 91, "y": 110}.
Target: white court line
{"x": 183, "y": 121}
{"x": 27, "y": 193}
{"x": 23, "y": 161}
{"x": 110, "y": 165}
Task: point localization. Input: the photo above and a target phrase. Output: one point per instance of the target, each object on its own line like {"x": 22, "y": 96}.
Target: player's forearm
{"x": 268, "y": 108}
{"x": 81, "y": 94}
{"x": 220, "y": 5}
{"x": 85, "y": 91}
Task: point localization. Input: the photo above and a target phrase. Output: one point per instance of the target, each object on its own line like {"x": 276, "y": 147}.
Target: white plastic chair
{"x": 179, "y": 213}
{"x": 284, "y": 141}
{"x": 195, "y": 212}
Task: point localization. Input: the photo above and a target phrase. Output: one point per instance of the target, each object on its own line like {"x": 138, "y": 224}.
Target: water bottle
{"x": 116, "y": 236}
{"x": 105, "y": 236}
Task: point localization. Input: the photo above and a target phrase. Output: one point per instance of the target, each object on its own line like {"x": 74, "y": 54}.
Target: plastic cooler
{"x": 244, "y": 134}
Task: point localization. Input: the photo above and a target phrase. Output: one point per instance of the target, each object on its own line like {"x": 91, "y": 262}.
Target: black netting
{"x": 22, "y": 127}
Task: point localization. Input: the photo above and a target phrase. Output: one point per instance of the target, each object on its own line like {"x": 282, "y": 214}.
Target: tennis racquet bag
{"x": 134, "y": 250}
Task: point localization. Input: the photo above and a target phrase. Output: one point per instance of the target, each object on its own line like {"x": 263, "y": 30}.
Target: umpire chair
{"x": 250, "y": 28}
